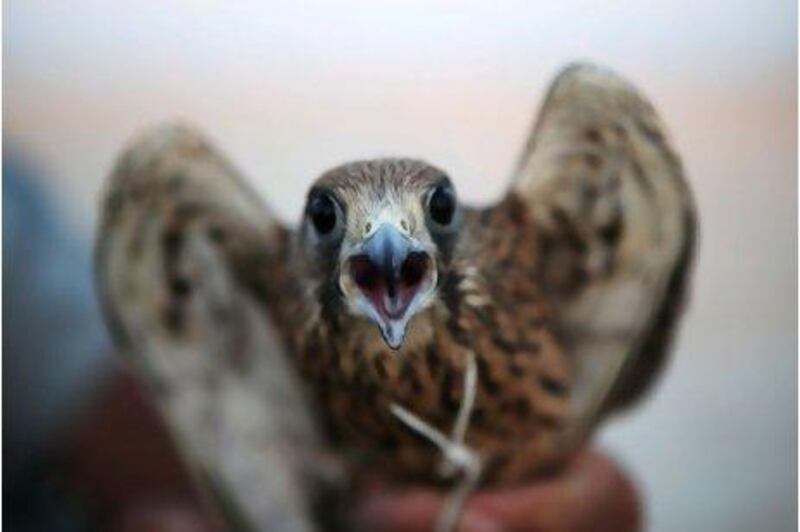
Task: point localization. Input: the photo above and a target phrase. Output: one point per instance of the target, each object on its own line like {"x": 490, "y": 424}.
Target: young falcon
{"x": 406, "y": 313}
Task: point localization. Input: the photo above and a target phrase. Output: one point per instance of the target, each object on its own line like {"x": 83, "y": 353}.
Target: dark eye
{"x": 442, "y": 205}
{"x": 322, "y": 212}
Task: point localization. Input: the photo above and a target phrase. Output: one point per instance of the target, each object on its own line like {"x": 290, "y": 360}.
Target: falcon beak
{"x": 394, "y": 276}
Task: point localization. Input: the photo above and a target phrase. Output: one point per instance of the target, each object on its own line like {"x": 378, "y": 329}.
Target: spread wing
{"x": 182, "y": 245}
{"x": 615, "y": 224}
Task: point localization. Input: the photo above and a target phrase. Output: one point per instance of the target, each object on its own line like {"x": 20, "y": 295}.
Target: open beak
{"x": 393, "y": 275}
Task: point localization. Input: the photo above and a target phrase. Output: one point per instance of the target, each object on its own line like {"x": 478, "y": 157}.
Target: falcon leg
{"x": 458, "y": 457}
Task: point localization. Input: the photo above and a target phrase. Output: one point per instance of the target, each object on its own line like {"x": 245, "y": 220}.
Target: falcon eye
{"x": 442, "y": 205}
{"x": 322, "y": 212}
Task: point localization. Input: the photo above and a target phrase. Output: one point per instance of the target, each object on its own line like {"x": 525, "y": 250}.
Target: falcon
{"x": 413, "y": 334}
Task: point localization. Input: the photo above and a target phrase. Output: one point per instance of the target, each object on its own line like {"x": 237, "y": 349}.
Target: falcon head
{"x": 379, "y": 233}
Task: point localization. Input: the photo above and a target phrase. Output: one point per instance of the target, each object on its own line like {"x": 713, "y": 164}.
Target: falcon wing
{"x": 616, "y": 225}
{"x": 181, "y": 246}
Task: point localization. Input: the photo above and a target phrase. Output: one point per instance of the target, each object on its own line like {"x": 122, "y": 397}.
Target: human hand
{"x": 591, "y": 494}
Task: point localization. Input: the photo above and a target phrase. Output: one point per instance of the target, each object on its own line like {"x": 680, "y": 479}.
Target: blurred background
{"x": 290, "y": 89}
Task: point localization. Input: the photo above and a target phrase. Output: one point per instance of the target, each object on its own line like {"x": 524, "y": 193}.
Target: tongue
{"x": 393, "y": 306}
{"x": 392, "y": 302}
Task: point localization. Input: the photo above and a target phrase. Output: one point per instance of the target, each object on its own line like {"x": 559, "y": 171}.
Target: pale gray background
{"x": 289, "y": 89}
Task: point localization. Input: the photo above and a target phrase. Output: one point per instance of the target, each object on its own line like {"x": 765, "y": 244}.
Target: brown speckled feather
{"x": 490, "y": 305}
{"x": 181, "y": 239}
{"x": 617, "y": 221}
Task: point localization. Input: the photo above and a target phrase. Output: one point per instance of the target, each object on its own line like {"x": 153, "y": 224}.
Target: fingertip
{"x": 591, "y": 493}
{"x": 162, "y": 516}
{"x": 396, "y": 512}
{"x": 474, "y": 521}
{"x": 628, "y": 502}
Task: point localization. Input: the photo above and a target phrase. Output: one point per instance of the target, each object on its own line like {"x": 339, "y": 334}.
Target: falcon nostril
{"x": 413, "y": 268}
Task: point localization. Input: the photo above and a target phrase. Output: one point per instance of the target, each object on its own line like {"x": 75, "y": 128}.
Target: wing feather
{"x": 180, "y": 240}
{"x": 615, "y": 223}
